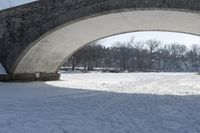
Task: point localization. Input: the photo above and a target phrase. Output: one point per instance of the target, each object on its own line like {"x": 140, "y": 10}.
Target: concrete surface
{"x": 39, "y": 36}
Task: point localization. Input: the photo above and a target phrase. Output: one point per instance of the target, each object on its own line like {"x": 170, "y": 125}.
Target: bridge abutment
{"x": 33, "y": 77}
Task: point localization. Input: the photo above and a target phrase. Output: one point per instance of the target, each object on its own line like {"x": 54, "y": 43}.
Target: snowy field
{"x": 103, "y": 103}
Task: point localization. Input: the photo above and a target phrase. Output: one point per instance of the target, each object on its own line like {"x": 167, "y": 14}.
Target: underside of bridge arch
{"x": 36, "y": 38}
{"x": 48, "y": 53}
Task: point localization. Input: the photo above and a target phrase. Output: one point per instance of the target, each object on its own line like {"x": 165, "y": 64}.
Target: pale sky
{"x": 165, "y": 37}
{"x": 11, "y": 3}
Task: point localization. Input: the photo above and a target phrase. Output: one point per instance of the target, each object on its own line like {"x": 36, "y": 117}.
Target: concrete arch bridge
{"x": 36, "y": 38}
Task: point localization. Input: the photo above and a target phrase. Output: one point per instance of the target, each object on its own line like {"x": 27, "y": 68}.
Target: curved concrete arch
{"x": 48, "y": 53}
{"x": 37, "y": 37}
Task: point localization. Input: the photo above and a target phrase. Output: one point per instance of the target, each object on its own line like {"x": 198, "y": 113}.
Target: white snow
{"x": 2, "y": 70}
{"x": 88, "y": 103}
{"x": 145, "y": 83}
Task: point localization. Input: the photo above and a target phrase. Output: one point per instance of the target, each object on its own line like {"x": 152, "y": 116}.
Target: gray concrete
{"x": 38, "y": 37}
{"x": 32, "y": 77}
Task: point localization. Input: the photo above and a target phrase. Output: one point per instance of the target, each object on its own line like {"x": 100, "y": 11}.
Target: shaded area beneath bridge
{"x": 38, "y": 107}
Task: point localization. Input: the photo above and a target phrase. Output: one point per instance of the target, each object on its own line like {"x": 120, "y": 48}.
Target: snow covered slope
{"x": 77, "y": 104}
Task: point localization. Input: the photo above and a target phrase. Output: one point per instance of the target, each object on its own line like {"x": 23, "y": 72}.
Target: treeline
{"x": 151, "y": 55}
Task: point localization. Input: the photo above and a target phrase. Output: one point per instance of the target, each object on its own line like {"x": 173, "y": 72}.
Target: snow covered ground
{"x": 145, "y": 83}
{"x": 103, "y": 103}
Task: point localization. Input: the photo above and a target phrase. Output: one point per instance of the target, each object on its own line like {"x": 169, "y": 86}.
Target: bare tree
{"x": 194, "y": 56}
{"x": 141, "y": 56}
{"x": 153, "y": 45}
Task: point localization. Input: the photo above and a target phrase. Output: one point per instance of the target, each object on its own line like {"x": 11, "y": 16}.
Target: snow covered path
{"x": 72, "y": 106}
